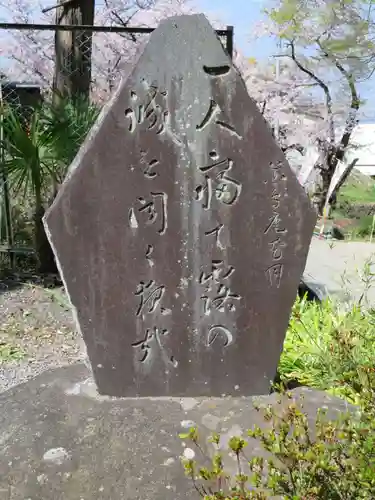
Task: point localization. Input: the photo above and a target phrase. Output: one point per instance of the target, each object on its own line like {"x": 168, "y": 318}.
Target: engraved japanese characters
{"x": 181, "y": 232}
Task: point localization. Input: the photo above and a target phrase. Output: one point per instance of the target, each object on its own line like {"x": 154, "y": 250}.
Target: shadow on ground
{"x": 14, "y": 281}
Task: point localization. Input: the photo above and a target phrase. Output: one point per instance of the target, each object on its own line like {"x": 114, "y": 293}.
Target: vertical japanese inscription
{"x": 218, "y": 297}
{"x": 151, "y": 340}
{"x": 219, "y": 183}
{"x": 152, "y": 115}
{"x": 151, "y": 112}
{"x": 155, "y": 117}
{"x": 150, "y": 296}
{"x": 276, "y": 231}
{"x": 154, "y": 210}
{"x": 218, "y": 294}
{"x": 214, "y": 112}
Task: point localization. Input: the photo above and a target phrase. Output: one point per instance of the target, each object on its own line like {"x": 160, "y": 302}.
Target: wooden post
{"x": 5, "y": 187}
{"x": 72, "y": 78}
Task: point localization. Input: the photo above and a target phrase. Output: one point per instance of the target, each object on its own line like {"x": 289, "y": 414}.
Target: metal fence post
{"x": 230, "y": 40}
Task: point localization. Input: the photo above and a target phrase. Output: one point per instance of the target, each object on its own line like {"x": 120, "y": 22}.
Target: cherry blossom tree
{"x": 29, "y": 54}
{"x": 330, "y": 45}
{"x": 290, "y": 103}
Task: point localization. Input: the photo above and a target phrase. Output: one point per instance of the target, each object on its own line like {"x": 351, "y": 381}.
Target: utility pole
{"x": 72, "y": 77}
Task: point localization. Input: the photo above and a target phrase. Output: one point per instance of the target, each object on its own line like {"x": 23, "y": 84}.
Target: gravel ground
{"x": 37, "y": 332}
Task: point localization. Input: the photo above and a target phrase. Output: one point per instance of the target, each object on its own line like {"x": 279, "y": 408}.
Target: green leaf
{"x": 184, "y": 435}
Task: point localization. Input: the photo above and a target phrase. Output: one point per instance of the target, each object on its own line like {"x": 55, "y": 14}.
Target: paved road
{"x": 339, "y": 267}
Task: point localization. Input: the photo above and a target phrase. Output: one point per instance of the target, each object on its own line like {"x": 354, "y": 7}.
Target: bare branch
{"x": 369, "y": 11}
{"x": 125, "y": 24}
{"x": 64, "y": 3}
{"x": 325, "y": 89}
{"x": 369, "y": 76}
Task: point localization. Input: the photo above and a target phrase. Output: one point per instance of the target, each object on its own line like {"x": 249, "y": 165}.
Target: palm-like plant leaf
{"x": 36, "y": 157}
{"x": 68, "y": 126}
{"x": 29, "y": 160}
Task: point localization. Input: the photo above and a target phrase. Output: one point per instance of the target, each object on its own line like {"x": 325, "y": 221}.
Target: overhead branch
{"x": 124, "y": 23}
{"x": 64, "y": 3}
{"x": 323, "y": 86}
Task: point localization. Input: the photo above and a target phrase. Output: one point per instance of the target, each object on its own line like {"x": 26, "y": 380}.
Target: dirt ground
{"x": 37, "y": 331}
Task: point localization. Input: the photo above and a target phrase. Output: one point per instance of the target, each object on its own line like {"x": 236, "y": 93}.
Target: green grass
{"x": 358, "y": 193}
{"x": 358, "y": 188}
{"x": 10, "y": 352}
{"x": 329, "y": 349}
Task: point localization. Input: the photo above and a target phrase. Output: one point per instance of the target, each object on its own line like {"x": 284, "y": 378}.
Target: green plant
{"x": 356, "y": 192}
{"x": 10, "y": 352}
{"x": 36, "y": 158}
{"x": 329, "y": 348}
{"x": 30, "y": 164}
{"x": 332, "y": 460}
{"x": 68, "y": 126}
{"x": 364, "y": 227}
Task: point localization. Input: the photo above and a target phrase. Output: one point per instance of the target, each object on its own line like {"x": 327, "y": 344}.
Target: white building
{"x": 364, "y": 141}
{"x": 362, "y": 147}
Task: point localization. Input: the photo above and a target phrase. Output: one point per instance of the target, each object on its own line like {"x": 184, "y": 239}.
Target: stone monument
{"x": 181, "y": 232}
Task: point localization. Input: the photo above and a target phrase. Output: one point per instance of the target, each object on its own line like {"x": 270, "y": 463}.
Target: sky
{"x": 243, "y": 14}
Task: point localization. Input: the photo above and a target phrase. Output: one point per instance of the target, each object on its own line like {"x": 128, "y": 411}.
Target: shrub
{"x": 333, "y": 461}
{"x": 325, "y": 348}
{"x": 329, "y": 349}
{"x": 364, "y": 226}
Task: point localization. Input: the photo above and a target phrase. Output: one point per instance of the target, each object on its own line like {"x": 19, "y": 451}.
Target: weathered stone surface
{"x": 181, "y": 232}
{"x": 60, "y": 441}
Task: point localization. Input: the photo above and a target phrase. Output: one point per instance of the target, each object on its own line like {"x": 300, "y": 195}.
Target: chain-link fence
{"x": 30, "y": 66}
{"x": 28, "y": 53}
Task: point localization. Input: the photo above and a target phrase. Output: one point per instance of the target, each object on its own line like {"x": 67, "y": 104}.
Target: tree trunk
{"x": 325, "y": 166}
{"x": 46, "y": 263}
{"x": 321, "y": 192}
{"x": 45, "y": 258}
{"x": 341, "y": 182}
{"x": 72, "y": 78}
